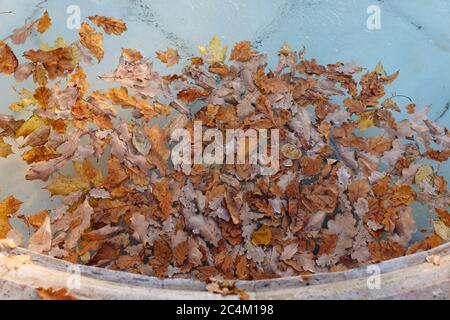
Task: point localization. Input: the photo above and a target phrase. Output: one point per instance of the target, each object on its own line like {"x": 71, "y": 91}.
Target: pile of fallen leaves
{"x": 349, "y": 172}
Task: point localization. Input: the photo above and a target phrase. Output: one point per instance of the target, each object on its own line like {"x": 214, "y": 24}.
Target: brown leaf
{"x": 131, "y": 54}
{"x": 191, "y": 95}
{"x": 242, "y": 52}
{"x": 109, "y": 24}
{"x": 91, "y": 40}
{"x": 21, "y": 35}
{"x": 58, "y": 62}
{"x": 8, "y": 60}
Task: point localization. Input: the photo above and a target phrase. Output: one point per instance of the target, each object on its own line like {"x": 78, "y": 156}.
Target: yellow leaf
{"x": 59, "y": 43}
{"x": 442, "y": 230}
{"x": 44, "y": 23}
{"x": 29, "y": 126}
{"x": 8, "y": 207}
{"x": 65, "y": 185}
{"x": 424, "y": 174}
{"x": 5, "y": 149}
{"x": 262, "y": 236}
{"x": 367, "y": 121}
{"x": 85, "y": 176}
{"x": 214, "y": 53}
{"x": 27, "y": 99}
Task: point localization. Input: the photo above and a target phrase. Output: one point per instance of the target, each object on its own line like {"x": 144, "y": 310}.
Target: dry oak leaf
{"x": 42, "y": 95}
{"x": 242, "y": 52}
{"x": 358, "y": 189}
{"x": 57, "y": 62}
{"x": 8, "y": 60}
{"x": 169, "y": 57}
{"x": 8, "y": 207}
{"x": 385, "y": 250}
{"x": 131, "y": 54}
{"x": 161, "y": 191}
{"x": 191, "y": 95}
{"x": 109, "y": 24}
{"x": 403, "y": 195}
{"x": 44, "y": 23}
{"x": 311, "y": 166}
{"x": 91, "y": 40}
{"x": 51, "y": 294}
{"x": 40, "y": 75}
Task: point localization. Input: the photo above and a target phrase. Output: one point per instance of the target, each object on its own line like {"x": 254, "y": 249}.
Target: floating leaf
{"x": 424, "y": 174}
{"x": 169, "y": 57}
{"x": 8, "y": 207}
{"x": 262, "y": 236}
{"x": 109, "y": 24}
{"x": 214, "y": 53}
{"x": 51, "y": 294}
{"x": 40, "y": 153}
{"x": 44, "y": 23}
{"x": 29, "y": 126}
{"x": 441, "y": 229}
{"x": 8, "y": 60}
{"x": 242, "y": 52}
{"x": 91, "y": 40}
{"x": 5, "y": 149}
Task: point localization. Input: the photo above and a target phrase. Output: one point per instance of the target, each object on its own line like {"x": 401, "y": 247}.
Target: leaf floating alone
{"x": 8, "y": 60}
{"x": 91, "y": 40}
{"x": 44, "y": 23}
{"x": 169, "y": 57}
{"x": 110, "y": 25}
{"x": 51, "y": 294}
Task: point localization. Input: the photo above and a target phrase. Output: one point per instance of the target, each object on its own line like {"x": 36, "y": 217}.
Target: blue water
{"x": 414, "y": 37}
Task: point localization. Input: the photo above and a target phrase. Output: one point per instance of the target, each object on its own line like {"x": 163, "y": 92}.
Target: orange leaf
{"x": 109, "y": 24}
{"x": 44, "y": 23}
{"x": 8, "y": 60}
{"x": 51, "y": 294}
{"x": 169, "y": 57}
{"x": 91, "y": 40}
